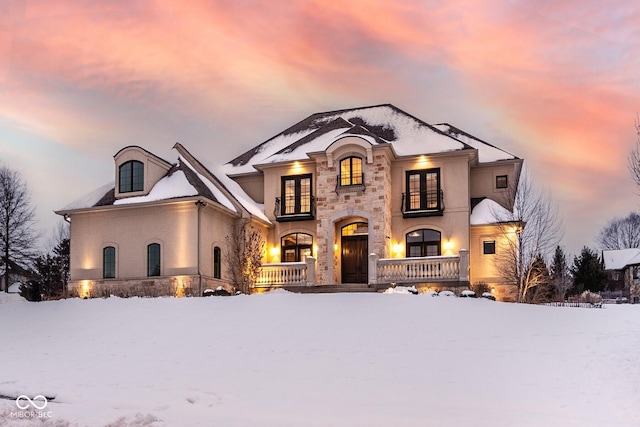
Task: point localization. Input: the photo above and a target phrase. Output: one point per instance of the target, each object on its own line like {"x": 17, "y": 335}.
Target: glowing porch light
{"x": 398, "y": 249}
{"x": 448, "y": 247}
{"x": 297, "y": 167}
{"x": 275, "y": 253}
{"x": 423, "y": 161}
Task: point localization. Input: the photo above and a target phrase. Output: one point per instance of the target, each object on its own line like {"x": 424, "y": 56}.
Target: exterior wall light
{"x": 398, "y": 249}
{"x": 448, "y": 247}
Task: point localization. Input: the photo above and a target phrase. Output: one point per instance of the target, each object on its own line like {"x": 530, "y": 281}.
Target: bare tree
{"x": 621, "y": 233}
{"x": 59, "y": 234}
{"x": 245, "y": 247}
{"x": 531, "y": 228}
{"x": 17, "y": 219}
{"x": 634, "y": 156}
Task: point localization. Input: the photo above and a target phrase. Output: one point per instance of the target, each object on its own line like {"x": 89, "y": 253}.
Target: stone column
{"x": 311, "y": 271}
{"x": 373, "y": 268}
{"x": 464, "y": 265}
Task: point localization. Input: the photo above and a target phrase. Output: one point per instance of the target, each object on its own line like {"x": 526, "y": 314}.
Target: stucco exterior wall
{"x": 130, "y": 230}
{"x": 253, "y": 185}
{"x": 482, "y": 181}
{"x": 484, "y": 267}
{"x": 454, "y": 223}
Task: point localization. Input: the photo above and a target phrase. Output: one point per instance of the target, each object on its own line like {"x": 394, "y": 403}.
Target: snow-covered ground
{"x": 284, "y": 359}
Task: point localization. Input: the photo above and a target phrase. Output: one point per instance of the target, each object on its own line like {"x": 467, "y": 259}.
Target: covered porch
{"x": 382, "y": 272}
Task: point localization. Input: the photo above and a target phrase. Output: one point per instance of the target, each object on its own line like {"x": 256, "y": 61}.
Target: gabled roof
{"x": 378, "y": 124}
{"x": 487, "y": 153}
{"x": 618, "y": 259}
{"x": 187, "y": 178}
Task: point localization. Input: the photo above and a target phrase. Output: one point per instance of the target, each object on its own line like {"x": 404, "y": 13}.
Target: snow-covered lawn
{"x": 284, "y": 359}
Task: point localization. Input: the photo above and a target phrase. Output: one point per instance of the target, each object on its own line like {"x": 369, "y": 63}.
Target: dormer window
{"x": 131, "y": 176}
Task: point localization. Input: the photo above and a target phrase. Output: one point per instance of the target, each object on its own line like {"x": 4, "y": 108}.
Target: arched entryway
{"x": 355, "y": 247}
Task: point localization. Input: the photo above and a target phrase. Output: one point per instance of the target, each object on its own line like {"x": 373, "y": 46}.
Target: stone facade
{"x": 336, "y": 207}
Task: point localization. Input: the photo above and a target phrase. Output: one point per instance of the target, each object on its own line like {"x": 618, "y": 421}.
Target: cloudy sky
{"x": 554, "y": 82}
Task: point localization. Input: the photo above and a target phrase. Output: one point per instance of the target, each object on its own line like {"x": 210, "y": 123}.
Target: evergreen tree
{"x": 543, "y": 291}
{"x": 588, "y": 272}
{"x": 53, "y": 271}
{"x": 560, "y": 274}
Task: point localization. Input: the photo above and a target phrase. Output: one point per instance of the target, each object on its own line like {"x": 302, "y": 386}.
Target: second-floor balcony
{"x": 422, "y": 203}
{"x": 350, "y": 183}
{"x": 295, "y": 208}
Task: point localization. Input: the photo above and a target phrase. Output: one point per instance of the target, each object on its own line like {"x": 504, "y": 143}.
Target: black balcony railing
{"x": 422, "y": 203}
{"x": 355, "y": 182}
{"x": 295, "y": 208}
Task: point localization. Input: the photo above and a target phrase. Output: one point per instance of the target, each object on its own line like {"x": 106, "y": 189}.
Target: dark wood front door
{"x": 354, "y": 259}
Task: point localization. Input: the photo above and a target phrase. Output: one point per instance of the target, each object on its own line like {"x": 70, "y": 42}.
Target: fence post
{"x": 311, "y": 270}
{"x": 464, "y": 265}
{"x": 373, "y": 269}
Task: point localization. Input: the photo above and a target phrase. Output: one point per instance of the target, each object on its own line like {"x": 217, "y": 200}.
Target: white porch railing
{"x": 418, "y": 270}
{"x": 287, "y": 273}
{"x": 381, "y": 271}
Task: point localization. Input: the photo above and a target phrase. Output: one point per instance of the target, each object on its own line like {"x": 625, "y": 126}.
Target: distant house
{"x": 364, "y": 197}
{"x": 17, "y": 275}
{"x": 623, "y": 269}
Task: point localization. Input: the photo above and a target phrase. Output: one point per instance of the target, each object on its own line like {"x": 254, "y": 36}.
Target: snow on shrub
{"x": 402, "y": 290}
{"x": 488, "y": 295}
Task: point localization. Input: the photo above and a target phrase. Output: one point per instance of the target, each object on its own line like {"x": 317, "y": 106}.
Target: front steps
{"x": 331, "y": 289}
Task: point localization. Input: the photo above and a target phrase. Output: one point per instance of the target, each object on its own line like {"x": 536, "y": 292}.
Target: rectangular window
{"x": 423, "y": 191}
{"x": 125, "y": 177}
{"x": 153, "y": 260}
{"x": 502, "y": 181}
{"x": 138, "y": 176}
{"x": 296, "y": 195}
{"x": 109, "y": 262}
{"x": 217, "y": 263}
{"x": 489, "y": 247}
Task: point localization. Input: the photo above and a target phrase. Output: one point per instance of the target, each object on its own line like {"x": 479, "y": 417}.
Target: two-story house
{"x": 367, "y": 196}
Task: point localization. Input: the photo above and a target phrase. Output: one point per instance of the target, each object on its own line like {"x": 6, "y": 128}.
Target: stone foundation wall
{"x": 177, "y": 286}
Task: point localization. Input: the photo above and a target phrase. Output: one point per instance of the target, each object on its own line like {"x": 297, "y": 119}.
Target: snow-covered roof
{"x": 182, "y": 180}
{"x": 618, "y": 259}
{"x": 169, "y": 187}
{"x": 487, "y": 212}
{"x": 487, "y": 153}
{"x": 90, "y": 199}
{"x": 217, "y": 193}
{"x": 380, "y": 124}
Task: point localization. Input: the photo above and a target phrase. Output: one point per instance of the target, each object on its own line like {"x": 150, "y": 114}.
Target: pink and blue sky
{"x": 554, "y": 82}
